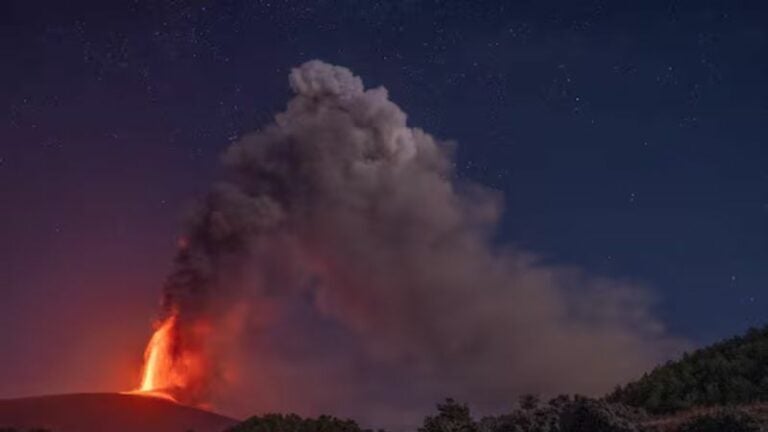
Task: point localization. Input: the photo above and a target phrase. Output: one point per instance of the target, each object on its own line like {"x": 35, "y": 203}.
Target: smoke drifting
{"x": 366, "y": 278}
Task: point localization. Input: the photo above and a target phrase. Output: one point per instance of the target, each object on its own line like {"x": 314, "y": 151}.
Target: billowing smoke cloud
{"x": 368, "y": 280}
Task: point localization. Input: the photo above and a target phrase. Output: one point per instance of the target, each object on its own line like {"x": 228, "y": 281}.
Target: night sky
{"x": 628, "y": 138}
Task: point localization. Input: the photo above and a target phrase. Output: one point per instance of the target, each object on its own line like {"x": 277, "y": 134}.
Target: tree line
{"x": 732, "y": 372}
{"x": 560, "y": 414}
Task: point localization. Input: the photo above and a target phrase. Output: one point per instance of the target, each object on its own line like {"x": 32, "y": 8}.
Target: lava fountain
{"x": 170, "y": 371}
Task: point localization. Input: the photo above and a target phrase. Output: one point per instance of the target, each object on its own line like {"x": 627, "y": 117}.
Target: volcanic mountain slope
{"x": 99, "y": 412}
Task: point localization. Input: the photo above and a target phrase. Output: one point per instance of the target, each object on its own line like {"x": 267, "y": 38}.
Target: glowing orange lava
{"x": 161, "y": 374}
{"x": 175, "y": 362}
{"x": 158, "y": 357}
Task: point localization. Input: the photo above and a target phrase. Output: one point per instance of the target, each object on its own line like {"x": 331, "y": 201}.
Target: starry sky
{"x": 628, "y": 138}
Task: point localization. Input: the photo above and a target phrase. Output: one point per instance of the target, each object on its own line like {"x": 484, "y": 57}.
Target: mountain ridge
{"x": 113, "y": 412}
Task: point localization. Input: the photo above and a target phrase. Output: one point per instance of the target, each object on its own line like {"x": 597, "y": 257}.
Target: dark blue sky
{"x": 629, "y": 138}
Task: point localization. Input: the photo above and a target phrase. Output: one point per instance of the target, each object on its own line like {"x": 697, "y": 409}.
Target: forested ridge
{"x": 732, "y": 372}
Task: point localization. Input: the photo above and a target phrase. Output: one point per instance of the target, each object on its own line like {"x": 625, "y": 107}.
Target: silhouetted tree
{"x": 590, "y": 415}
{"x": 294, "y": 423}
{"x": 451, "y": 417}
{"x": 529, "y": 402}
{"x": 560, "y": 414}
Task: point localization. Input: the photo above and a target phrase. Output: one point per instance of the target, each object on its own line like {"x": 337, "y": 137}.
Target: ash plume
{"x": 366, "y": 281}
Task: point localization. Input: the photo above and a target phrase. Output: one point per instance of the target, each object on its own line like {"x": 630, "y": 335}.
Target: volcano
{"x": 114, "y": 412}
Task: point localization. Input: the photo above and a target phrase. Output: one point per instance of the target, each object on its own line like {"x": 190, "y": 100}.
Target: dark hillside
{"x": 106, "y": 412}
{"x": 731, "y": 372}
